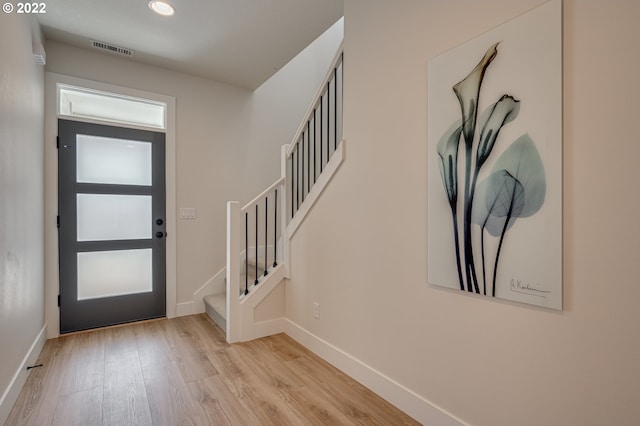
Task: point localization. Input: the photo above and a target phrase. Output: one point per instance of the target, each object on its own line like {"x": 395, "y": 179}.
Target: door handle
{"x": 160, "y": 234}
{"x": 159, "y": 222}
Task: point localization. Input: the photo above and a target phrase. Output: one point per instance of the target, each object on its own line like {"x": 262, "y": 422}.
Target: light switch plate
{"x": 188, "y": 213}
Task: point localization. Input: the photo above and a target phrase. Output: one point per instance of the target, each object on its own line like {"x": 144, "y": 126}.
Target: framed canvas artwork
{"x": 495, "y": 162}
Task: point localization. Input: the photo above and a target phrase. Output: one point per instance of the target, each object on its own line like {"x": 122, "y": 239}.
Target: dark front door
{"x": 111, "y": 204}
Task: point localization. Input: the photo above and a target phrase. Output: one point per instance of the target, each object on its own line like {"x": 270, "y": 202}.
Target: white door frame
{"x": 52, "y": 313}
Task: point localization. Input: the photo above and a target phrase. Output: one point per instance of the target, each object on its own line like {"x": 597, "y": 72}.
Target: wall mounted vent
{"x": 39, "y": 55}
{"x": 111, "y": 48}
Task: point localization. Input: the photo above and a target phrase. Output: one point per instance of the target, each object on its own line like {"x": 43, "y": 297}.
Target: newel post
{"x": 284, "y": 202}
{"x": 234, "y": 317}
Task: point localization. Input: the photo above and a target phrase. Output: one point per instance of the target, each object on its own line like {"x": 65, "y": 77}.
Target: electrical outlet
{"x": 316, "y": 310}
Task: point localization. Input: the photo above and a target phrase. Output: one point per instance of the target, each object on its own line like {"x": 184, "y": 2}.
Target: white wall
{"x": 362, "y": 251}
{"x": 21, "y": 204}
{"x": 279, "y": 107}
{"x": 212, "y": 130}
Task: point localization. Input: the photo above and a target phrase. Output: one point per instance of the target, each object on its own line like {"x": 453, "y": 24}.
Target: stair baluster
{"x": 246, "y": 253}
{"x": 266, "y": 233}
{"x": 255, "y": 282}
{"x": 275, "y": 230}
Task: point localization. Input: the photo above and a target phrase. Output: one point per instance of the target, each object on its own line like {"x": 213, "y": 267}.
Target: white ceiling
{"x": 240, "y": 42}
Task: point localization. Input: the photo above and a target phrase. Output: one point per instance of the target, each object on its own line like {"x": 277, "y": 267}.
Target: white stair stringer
{"x": 322, "y": 182}
{"x": 215, "y": 304}
{"x": 241, "y": 328}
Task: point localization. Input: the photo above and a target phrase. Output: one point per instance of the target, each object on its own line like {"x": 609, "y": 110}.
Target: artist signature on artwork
{"x": 518, "y": 286}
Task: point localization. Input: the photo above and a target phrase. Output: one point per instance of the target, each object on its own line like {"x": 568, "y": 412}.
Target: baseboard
{"x": 269, "y": 327}
{"x": 406, "y": 400}
{"x": 186, "y": 308}
{"x": 10, "y": 395}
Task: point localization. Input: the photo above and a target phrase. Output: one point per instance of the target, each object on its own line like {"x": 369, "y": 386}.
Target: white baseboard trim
{"x": 406, "y": 400}
{"x": 186, "y": 308}
{"x": 10, "y": 395}
{"x": 269, "y": 327}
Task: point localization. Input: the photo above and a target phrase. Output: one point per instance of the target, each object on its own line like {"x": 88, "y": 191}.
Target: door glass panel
{"x": 104, "y": 217}
{"x": 114, "y": 273}
{"x": 113, "y": 161}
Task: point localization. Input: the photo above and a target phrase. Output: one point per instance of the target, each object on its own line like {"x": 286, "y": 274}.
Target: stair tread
{"x": 218, "y": 302}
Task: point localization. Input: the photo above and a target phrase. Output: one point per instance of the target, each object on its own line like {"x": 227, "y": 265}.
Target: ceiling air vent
{"x": 111, "y": 48}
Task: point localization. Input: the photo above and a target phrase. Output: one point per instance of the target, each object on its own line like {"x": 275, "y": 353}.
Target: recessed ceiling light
{"x": 161, "y": 8}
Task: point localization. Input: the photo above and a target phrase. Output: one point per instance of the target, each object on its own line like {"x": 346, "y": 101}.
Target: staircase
{"x": 258, "y": 234}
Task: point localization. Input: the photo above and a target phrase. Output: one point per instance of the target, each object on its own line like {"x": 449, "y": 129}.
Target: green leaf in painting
{"x": 523, "y": 162}
{"x": 503, "y": 197}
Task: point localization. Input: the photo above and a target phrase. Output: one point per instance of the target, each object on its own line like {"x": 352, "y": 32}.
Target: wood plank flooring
{"x": 182, "y": 372}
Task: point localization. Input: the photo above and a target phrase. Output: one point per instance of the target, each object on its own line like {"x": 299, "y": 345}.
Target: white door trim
{"x": 52, "y": 314}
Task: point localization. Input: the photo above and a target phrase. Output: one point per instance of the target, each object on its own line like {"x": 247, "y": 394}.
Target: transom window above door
{"x": 77, "y": 102}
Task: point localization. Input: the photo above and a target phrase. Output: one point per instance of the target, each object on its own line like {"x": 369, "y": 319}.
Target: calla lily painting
{"x": 495, "y": 162}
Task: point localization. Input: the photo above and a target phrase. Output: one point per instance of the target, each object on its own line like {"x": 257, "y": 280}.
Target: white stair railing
{"x": 258, "y": 233}
{"x": 316, "y": 140}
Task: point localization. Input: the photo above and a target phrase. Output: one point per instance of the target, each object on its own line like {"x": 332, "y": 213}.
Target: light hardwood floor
{"x": 182, "y": 372}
